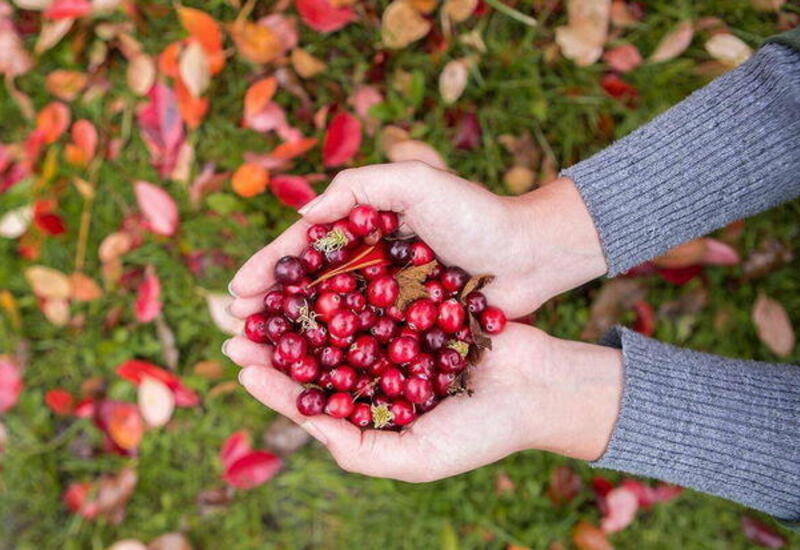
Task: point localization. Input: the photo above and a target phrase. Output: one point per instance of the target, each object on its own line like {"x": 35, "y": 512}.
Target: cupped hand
{"x": 530, "y": 391}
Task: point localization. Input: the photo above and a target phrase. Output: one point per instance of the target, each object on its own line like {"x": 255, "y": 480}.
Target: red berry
{"x": 327, "y": 304}
{"x": 305, "y": 369}
{"x": 400, "y": 252}
{"x": 255, "y": 328}
{"x": 317, "y": 336}
{"x": 374, "y": 271}
{"x": 355, "y": 301}
{"x": 317, "y": 232}
{"x": 340, "y": 405}
{"x": 454, "y": 278}
{"x": 291, "y": 346}
{"x": 346, "y": 229}
{"x": 343, "y": 377}
{"x": 366, "y": 319}
{"x": 392, "y": 382}
{"x": 281, "y": 363}
{"x": 289, "y": 270}
{"x": 418, "y": 390}
{"x": 430, "y": 404}
{"x": 387, "y": 222}
{"x": 451, "y": 316}
{"x": 476, "y": 302}
{"x": 302, "y": 288}
{"x": 341, "y": 342}
{"x": 364, "y": 351}
{"x": 383, "y": 291}
{"x": 443, "y": 383}
{"x": 276, "y": 326}
{"x": 422, "y": 366}
{"x": 361, "y": 416}
{"x": 337, "y": 257}
{"x": 493, "y": 320}
{"x": 402, "y": 412}
{"x": 379, "y": 366}
{"x": 324, "y": 380}
{"x": 292, "y": 306}
{"x": 396, "y": 313}
{"x": 449, "y": 360}
{"x": 421, "y": 314}
{"x": 421, "y": 253}
{"x": 343, "y": 323}
{"x": 330, "y": 356}
{"x": 343, "y": 283}
{"x": 402, "y": 350}
{"x": 364, "y": 387}
{"x": 384, "y": 329}
{"x": 434, "y": 339}
{"x": 312, "y": 259}
{"x": 363, "y": 219}
{"x": 464, "y": 334}
{"x": 311, "y": 402}
{"x": 409, "y": 332}
{"x": 435, "y": 291}
{"x": 273, "y": 301}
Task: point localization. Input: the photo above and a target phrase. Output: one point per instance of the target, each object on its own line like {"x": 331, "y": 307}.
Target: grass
{"x": 312, "y": 504}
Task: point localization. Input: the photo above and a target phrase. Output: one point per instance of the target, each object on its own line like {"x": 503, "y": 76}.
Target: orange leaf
{"x": 255, "y": 42}
{"x": 65, "y": 84}
{"x": 202, "y": 27}
{"x": 258, "y": 95}
{"x": 588, "y": 537}
{"x": 292, "y": 149}
{"x": 53, "y": 121}
{"x": 250, "y": 179}
{"x": 193, "y": 109}
{"x": 168, "y": 60}
{"x": 125, "y": 426}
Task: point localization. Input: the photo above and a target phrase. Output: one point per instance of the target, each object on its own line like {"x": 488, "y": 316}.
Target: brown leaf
{"x": 519, "y": 179}
{"x": 586, "y": 536}
{"x": 728, "y": 49}
{"x": 476, "y": 282}
{"x": 209, "y": 369}
{"x": 688, "y": 304}
{"x": 411, "y": 284}
{"x": 523, "y": 148}
{"x": 564, "y": 485}
{"x": 770, "y": 255}
{"x": 215, "y": 500}
{"x": 582, "y": 39}
{"x": 141, "y": 74}
{"x": 305, "y": 64}
{"x": 613, "y": 299}
{"x": 285, "y": 437}
{"x": 480, "y": 341}
{"x": 401, "y": 25}
{"x": 459, "y": 10}
{"x": 773, "y": 326}
{"x": 414, "y": 149}
{"x": 673, "y": 43}
{"x": 84, "y": 288}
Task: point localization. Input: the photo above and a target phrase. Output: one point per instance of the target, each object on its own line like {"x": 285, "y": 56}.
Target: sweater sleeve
{"x": 728, "y": 151}
{"x": 723, "y": 426}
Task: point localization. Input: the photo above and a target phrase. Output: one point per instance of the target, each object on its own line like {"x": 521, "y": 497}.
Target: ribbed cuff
{"x": 723, "y": 426}
{"x": 728, "y": 151}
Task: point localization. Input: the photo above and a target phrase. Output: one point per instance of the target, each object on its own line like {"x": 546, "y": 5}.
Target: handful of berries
{"x": 376, "y": 328}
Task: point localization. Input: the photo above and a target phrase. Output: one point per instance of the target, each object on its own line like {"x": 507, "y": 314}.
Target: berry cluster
{"x": 371, "y": 323}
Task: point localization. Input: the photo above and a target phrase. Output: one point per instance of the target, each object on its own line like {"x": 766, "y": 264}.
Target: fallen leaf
{"x": 683, "y": 255}
{"x": 410, "y": 280}
{"x": 60, "y": 401}
{"x": 159, "y": 209}
{"x": 503, "y": 484}
{"x": 401, "y": 25}
{"x": 67, "y": 9}
{"x": 14, "y": 58}
{"x": 218, "y": 309}
{"x": 205, "y": 30}
{"x": 645, "y": 318}
{"x": 183, "y": 165}
{"x": 105, "y": 497}
{"x": 114, "y": 246}
{"x": 48, "y": 283}
{"x": 761, "y": 534}
{"x": 53, "y": 120}
{"x": 363, "y": 99}
{"x": 728, "y": 49}
{"x": 582, "y": 39}
{"x": 148, "y": 297}
{"x": 51, "y": 34}
{"x": 56, "y": 310}
{"x": 3, "y": 437}
{"x": 459, "y": 10}
{"x": 84, "y": 288}
{"x": 586, "y": 536}
{"x": 453, "y": 79}
{"x": 83, "y": 147}
{"x": 193, "y": 110}
{"x": 773, "y": 326}
{"x": 284, "y": 27}
{"x": 519, "y": 179}
{"x": 673, "y": 43}
{"x": 250, "y": 180}
{"x": 468, "y": 132}
{"x": 254, "y": 42}
{"x": 293, "y": 191}
{"x": 235, "y": 447}
{"x": 342, "y": 140}
{"x": 161, "y": 127}
{"x": 771, "y": 254}
{"x": 564, "y": 485}
{"x": 413, "y": 149}
{"x": 122, "y": 422}
{"x": 141, "y": 74}
{"x": 614, "y": 298}
{"x": 209, "y": 369}
{"x": 305, "y": 64}
{"x": 624, "y": 58}
{"x": 285, "y": 437}
{"x": 170, "y": 541}
{"x": 194, "y": 69}
{"x": 624, "y": 14}
{"x": 621, "y": 505}
{"x": 253, "y": 469}
{"x": 15, "y": 223}
{"x": 258, "y": 96}
{"x": 156, "y": 402}
{"x": 65, "y": 84}
{"x": 10, "y": 383}
{"x": 134, "y": 370}
{"x": 323, "y": 16}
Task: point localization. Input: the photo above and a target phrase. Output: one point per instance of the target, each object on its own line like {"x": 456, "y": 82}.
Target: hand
{"x": 531, "y": 391}
{"x": 537, "y": 245}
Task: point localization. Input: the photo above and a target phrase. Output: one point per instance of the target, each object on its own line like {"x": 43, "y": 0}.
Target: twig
{"x": 86, "y": 215}
{"x": 513, "y": 13}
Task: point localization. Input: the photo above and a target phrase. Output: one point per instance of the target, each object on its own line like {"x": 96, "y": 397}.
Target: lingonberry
{"x": 366, "y": 319}
{"x": 392, "y": 382}
{"x": 451, "y": 316}
{"x": 343, "y": 323}
{"x": 343, "y": 283}
{"x": 402, "y": 350}
{"x": 383, "y": 291}
{"x": 400, "y": 252}
{"x": 312, "y": 259}
{"x": 276, "y": 326}
{"x": 387, "y": 222}
{"x": 340, "y": 405}
{"x": 330, "y": 356}
{"x": 402, "y": 412}
{"x": 443, "y": 383}
{"x": 305, "y": 369}
{"x": 289, "y": 270}
{"x": 449, "y": 360}
{"x": 255, "y": 328}
{"x": 361, "y": 415}
{"x": 364, "y": 219}
{"x": 453, "y": 279}
{"x": 434, "y": 339}
{"x": 422, "y": 366}
{"x": 363, "y": 352}
{"x": 291, "y": 346}
{"x": 355, "y": 301}
{"x": 273, "y": 301}
{"x": 421, "y": 253}
{"x": 493, "y": 320}
{"x": 311, "y": 402}
{"x": 293, "y": 306}
{"x": 327, "y": 304}
{"x": 343, "y": 377}
{"x": 341, "y": 342}
{"x": 316, "y": 335}
{"x": 421, "y": 314}
{"x": 435, "y": 291}
{"x": 374, "y": 271}
{"x": 317, "y": 232}
{"x": 365, "y": 387}
{"x": 476, "y": 302}
{"x": 418, "y": 390}
{"x": 384, "y": 329}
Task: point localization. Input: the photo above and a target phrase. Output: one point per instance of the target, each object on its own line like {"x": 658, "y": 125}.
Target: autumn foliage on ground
{"x": 148, "y": 148}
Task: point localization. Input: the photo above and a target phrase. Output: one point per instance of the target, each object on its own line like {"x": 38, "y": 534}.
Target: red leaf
{"x": 621, "y": 505}
{"x": 293, "y": 191}
{"x": 148, "y": 297}
{"x": 680, "y": 275}
{"x": 664, "y": 492}
{"x": 50, "y": 223}
{"x": 67, "y": 9}
{"x": 468, "y": 132}
{"x": 121, "y": 422}
{"x": 645, "y": 318}
{"x": 234, "y": 448}
{"x": 158, "y": 207}
{"x": 60, "y": 401}
{"x": 84, "y": 135}
{"x": 342, "y": 139}
{"x": 85, "y": 408}
{"x": 762, "y": 534}
{"x": 564, "y": 485}
{"x": 161, "y": 127}
{"x": 719, "y": 253}
{"x": 75, "y": 498}
{"x": 252, "y": 469}
{"x": 601, "y": 486}
{"x": 51, "y": 122}
{"x": 133, "y": 370}
{"x": 105, "y": 496}
{"x": 623, "y": 58}
{"x": 10, "y": 383}
{"x": 323, "y": 16}
{"x": 618, "y": 88}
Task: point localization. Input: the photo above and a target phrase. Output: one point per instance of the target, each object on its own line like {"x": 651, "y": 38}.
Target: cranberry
{"x": 400, "y": 252}
{"x": 292, "y": 306}
{"x": 421, "y": 314}
{"x": 383, "y": 291}
{"x": 312, "y": 259}
{"x": 255, "y": 328}
{"x": 365, "y": 387}
{"x": 343, "y": 323}
{"x": 276, "y": 326}
{"x": 449, "y": 360}
{"x": 344, "y": 227}
{"x": 443, "y": 383}
{"x": 343, "y": 377}
{"x": 343, "y": 283}
{"x": 324, "y": 381}
{"x": 403, "y": 349}
{"x": 289, "y": 270}
{"x": 317, "y": 232}
{"x": 337, "y": 257}
{"x": 387, "y": 222}
{"x": 493, "y": 320}
{"x": 305, "y": 369}
{"x": 396, "y": 313}
{"x": 451, "y": 316}
{"x": 409, "y": 332}
{"x": 361, "y": 415}
{"x": 453, "y": 279}
{"x": 317, "y": 336}
{"x": 281, "y": 363}
{"x": 430, "y": 404}
{"x": 366, "y": 319}
{"x": 341, "y": 342}
{"x": 421, "y": 253}
{"x": 435, "y": 291}
{"x": 273, "y": 301}
{"x": 302, "y": 288}
{"x": 355, "y": 301}
{"x": 311, "y": 402}
{"x": 392, "y": 382}
{"x": 374, "y": 271}
{"x": 384, "y": 329}
{"x": 476, "y": 302}
{"x": 434, "y": 339}
{"x": 379, "y": 366}
{"x": 327, "y": 304}
{"x": 402, "y": 412}
{"x": 363, "y": 352}
{"x": 364, "y": 220}
{"x": 330, "y": 356}
{"x": 418, "y": 390}
{"x": 340, "y": 405}
{"x": 291, "y": 346}
{"x": 464, "y": 334}
{"x": 422, "y": 366}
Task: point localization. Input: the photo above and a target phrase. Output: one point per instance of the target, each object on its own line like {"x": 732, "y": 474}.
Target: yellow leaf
{"x": 49, "y": 283}
{"x": 305, "y": 64}
{"x": 401, "y": 25}
{"x": 255, "y": 42}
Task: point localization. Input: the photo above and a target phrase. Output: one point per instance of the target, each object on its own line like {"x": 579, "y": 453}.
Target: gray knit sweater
{"x": 732, "y": 149}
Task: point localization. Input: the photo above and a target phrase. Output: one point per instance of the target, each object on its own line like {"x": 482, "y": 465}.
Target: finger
{"x": 256, "y": 275}
{"x": 244, "y": 352}
{"x": 394, "y": 186}
{"x": 244, "y": 307}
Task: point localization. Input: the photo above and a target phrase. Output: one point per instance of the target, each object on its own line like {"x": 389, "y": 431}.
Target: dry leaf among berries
{"x": 411, "y": 284}
{"x": 773, "y": 326}
{"x": 476, "y": 282}
{"x": 674, "y": 42}
{"x": 401, "y": 25}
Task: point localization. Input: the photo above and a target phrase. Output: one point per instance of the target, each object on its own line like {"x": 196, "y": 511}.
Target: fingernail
{"x": 314, "y": 431}
{"x": 231, "y": 291}
{"x": 310, "y": 206}
{"x": 251, "y": 377}
{"x": 224, "y": 348}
